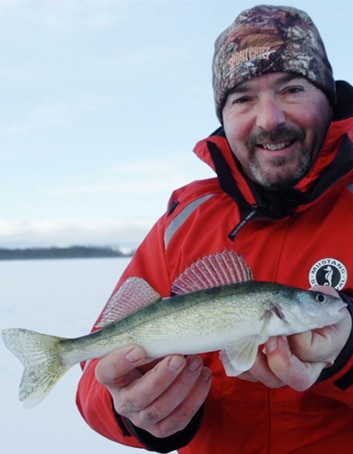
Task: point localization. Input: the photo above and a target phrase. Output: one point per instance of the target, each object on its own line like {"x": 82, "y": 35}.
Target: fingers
{"x": 183, "y": 413}
{"x": 167, "y": 402}
{"x": 140, "y": 394}
{"x": 288, "y": 368}
{"x": 325, "y": 289}
{"x": 290, "y": 362}
{"x": 119, "y": 368}
{"x": 260, "y": 372}
{"x": 298, "y": 360}
{"x": 159, "y": 397}
{"x": 322, "y": 344}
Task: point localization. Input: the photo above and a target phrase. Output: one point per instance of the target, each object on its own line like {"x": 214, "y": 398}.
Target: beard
{"x": 285, "y": 172}
{"x": 280, "y": 177}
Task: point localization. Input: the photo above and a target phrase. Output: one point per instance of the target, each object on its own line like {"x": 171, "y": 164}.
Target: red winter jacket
{"x": 290, "y": 239}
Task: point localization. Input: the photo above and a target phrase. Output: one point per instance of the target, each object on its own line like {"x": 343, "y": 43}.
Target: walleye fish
{"x": 216, "y": 306}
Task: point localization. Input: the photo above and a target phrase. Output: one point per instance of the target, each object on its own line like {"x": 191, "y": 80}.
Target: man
{"x": 283, "y": 199}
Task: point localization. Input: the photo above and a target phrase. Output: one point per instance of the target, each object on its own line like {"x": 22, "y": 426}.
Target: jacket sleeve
{"x": 337, "y": 381}
{"x": 171, "y": 443}
{"x": 93, "y": 400}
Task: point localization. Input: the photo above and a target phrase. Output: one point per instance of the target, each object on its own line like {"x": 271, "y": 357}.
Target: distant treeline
{"x": 72, "y": 252}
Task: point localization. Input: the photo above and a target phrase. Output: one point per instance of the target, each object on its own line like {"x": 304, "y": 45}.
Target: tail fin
{"x": 41, "y": 357}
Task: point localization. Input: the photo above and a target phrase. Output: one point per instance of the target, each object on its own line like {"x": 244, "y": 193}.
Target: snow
{"x": 59, "y": 297}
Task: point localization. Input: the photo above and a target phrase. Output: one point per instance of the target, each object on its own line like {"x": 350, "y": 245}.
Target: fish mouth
{"x": 341, "y": 308}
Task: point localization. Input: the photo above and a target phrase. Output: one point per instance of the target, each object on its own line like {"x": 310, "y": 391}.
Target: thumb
{"x": 119, "y": 368}
{"x": 293, "y": 372}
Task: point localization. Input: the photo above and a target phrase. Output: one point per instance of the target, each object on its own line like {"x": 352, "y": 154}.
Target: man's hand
{"x": 298, "y": 360}
{"x": 160, "y": 397}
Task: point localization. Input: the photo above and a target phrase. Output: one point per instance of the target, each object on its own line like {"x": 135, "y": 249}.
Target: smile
{"x": 275, "y": 146}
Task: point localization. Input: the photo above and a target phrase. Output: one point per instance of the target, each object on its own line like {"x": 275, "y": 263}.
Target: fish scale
{"x": 232, "y": 318}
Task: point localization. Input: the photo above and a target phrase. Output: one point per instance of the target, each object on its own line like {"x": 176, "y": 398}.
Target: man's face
{"x": 275, "y": 125}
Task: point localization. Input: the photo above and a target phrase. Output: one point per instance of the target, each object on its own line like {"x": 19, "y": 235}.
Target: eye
{"x": 234, "y": 100}
{"x": 238, "y": 97}
{"x": 321, "y": 297}
{"x": 293, "y": 90}
{"x": 241, "y": 100}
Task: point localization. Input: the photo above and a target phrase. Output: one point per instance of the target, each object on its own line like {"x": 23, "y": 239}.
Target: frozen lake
{"x": 61, "y": 297}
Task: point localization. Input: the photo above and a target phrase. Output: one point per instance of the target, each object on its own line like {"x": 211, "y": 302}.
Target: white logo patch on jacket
{"x": 330, "y": 272}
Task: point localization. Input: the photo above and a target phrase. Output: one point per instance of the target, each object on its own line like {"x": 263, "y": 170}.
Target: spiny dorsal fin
{"x": 134, "y": 294}
{"x": 222, "y": 268}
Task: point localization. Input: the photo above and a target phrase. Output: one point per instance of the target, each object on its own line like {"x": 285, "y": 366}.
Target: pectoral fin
{"x": 240, "y": 357}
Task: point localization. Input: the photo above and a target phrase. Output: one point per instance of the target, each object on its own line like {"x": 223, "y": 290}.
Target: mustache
{"x": 282, "y": 133}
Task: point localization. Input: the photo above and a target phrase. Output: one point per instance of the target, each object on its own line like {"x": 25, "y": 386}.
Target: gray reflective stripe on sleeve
{"x": 350, "y": 186}
{"x": 182, "y": 217}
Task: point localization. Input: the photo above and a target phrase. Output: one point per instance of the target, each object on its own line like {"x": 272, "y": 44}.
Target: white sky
{"x": 101, "y": 104}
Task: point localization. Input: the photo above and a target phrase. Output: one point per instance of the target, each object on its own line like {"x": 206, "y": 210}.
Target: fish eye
{"x": 321, "y": 297}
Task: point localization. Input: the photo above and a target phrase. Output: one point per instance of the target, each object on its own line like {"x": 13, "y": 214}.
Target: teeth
{"x": 275, "y": 146}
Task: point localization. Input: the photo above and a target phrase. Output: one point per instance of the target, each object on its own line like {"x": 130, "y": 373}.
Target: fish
{"x": 216, "y": 305}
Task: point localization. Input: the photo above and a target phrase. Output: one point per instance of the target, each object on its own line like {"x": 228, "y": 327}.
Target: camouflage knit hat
{"x": 267, "y": 39}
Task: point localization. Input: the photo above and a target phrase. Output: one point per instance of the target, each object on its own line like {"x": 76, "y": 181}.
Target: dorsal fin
{"x": 222, "y": 268}
{"x": 134, "y": 294}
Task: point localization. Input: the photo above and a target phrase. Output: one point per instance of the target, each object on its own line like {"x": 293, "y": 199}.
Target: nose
{"x": 270, "y": 114}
